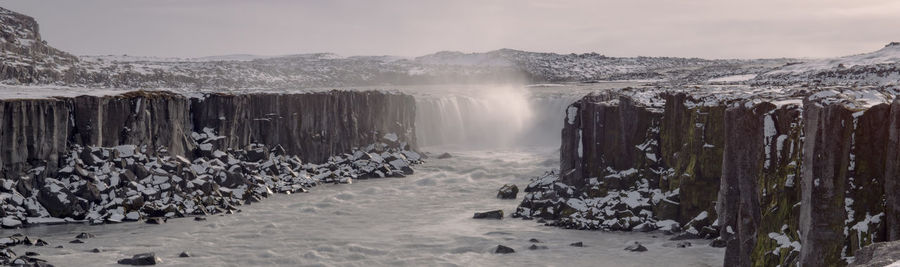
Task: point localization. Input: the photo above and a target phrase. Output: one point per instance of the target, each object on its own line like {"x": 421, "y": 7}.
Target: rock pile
{"x": 126, "y": 183}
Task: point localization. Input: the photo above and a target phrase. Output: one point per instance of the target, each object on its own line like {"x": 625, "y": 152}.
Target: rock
{"x": 501, "y": 249}
{"x": 6, "y": 254}
{"x": 85, "y": 236}
{"x": 534, "y": 240}
{"x": 577, "y": 244}
{"x": 96, "y": 250}
{"x": 199, "y": 218}
{"x": 76, "y": 241}
{"x": 184, "y": 254}
{"x": 508, "y": 191}
{"x": 536, "y": 247}
{"x": 685, "y": 236}
{"x": 89, "y": 192}
{"x": 494, "y": 214}
{"x": 60, "y": 202}
{"x": 445, "y": 155}
{"x": 10, "y": 222}
{"x": 683, "y": 244}
{"x": 636, "y": 247}
{"x": 156, "y": 220}
{"x": 60, "y": 246}
{"x": 718, "y": 243}
{"x": 31, "y": 253}
{"x": 877, "y": 254}
{"x": 141, "y": 259}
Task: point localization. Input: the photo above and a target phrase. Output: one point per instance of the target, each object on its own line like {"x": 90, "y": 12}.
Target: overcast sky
{"x": 691, "y": 28}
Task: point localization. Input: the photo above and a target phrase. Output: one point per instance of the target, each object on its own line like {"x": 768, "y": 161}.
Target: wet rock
{"x": 508, "y": 191}
{"x": 445, "y": 155}
{"x": 501, "y": 249}
{"x": 718, "y": 243}
{"x": 184, "y": 254}
{"x": 85, "y": 236}
{"x": 683, "y": 244}
{"x": 199, "y": 218}
{"x": 536, "y": 247}
{"x": 141, "y": 259}
{"x": 494, "y": 214}
{"x": 96, "y": 250}
{"x": 76, "y": 241}
{"x": 686, "y": 236}
{"x": 31, "y": 253}
{"x": 577, "y": 244}
{"x": 534, "y": 240}
{"x": 156, "y": 220}
{"x": 636, "y": 247}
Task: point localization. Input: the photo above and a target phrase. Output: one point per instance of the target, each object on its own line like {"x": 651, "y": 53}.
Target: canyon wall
{"x": 312, "y": 125}
{"x": 802, "y": 178}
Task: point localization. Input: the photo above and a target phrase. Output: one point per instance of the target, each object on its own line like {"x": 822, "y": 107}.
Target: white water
{"x": 422, "y": 220}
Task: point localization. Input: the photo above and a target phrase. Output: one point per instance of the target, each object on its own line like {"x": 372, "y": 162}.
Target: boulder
{"x": 508, "y": 191}
{"x": 89, "y": 192}
{"x": 636, "y": 247}
{"x": 494, "y": 214}
{"x": 534, "y": 240}
{"x": 536, "y": 247}
{"x": 60, "y": 202}
{"x": 141, "y": 259}
{"x": 445, "y": 155}
{"x": 184, "y": 254}
{"x": 501, "y": 249}
{"x": 577, "y": 244}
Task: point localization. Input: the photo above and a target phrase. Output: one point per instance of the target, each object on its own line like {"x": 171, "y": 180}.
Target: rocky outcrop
{"x": 782, "y": 177}
{"x": 35, "y": 132}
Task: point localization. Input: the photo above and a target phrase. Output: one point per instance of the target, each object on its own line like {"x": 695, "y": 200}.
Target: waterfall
{"x": 491, "y": 117}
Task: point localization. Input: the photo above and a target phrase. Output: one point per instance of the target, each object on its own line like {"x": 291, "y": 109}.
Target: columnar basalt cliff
{"x": 788, "y": 176}
{"x": 312, "y": 125}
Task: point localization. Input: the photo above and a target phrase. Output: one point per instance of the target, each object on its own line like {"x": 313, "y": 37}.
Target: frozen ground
{"x": 424, "y": 219}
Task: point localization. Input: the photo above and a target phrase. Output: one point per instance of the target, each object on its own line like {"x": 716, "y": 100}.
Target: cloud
{"x": 691, "y": 28}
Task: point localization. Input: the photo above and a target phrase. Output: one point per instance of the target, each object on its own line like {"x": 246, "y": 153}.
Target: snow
{"x": 391, "y": 137}
{"x": 571, "y": 112}
{"x": 734, "y": 78}
{"x": 888, "y": 54}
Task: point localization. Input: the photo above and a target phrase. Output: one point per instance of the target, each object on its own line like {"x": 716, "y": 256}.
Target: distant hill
{"x": 27, "y": 59}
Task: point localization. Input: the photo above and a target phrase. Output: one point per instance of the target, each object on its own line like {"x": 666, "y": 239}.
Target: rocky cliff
{"x": 314, "y": 125}
{"x": 786, "y": 176}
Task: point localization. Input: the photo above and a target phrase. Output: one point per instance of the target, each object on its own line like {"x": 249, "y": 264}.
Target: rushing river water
{"x": 422, "y": 220}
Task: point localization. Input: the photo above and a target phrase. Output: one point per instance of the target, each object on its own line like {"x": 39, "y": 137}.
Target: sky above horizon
{"x": 690, "y": 28}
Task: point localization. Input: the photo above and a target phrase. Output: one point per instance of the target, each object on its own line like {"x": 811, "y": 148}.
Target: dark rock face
{"x": 806, "y": 181}
{"x": 826, "y": 150}
{"x": 508, "y": 191}
{"x": 494, "y": 214}
{"x": 892, "y": 174}
{"x": 314, "y": 126}
{"x": 738, "y": 205}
